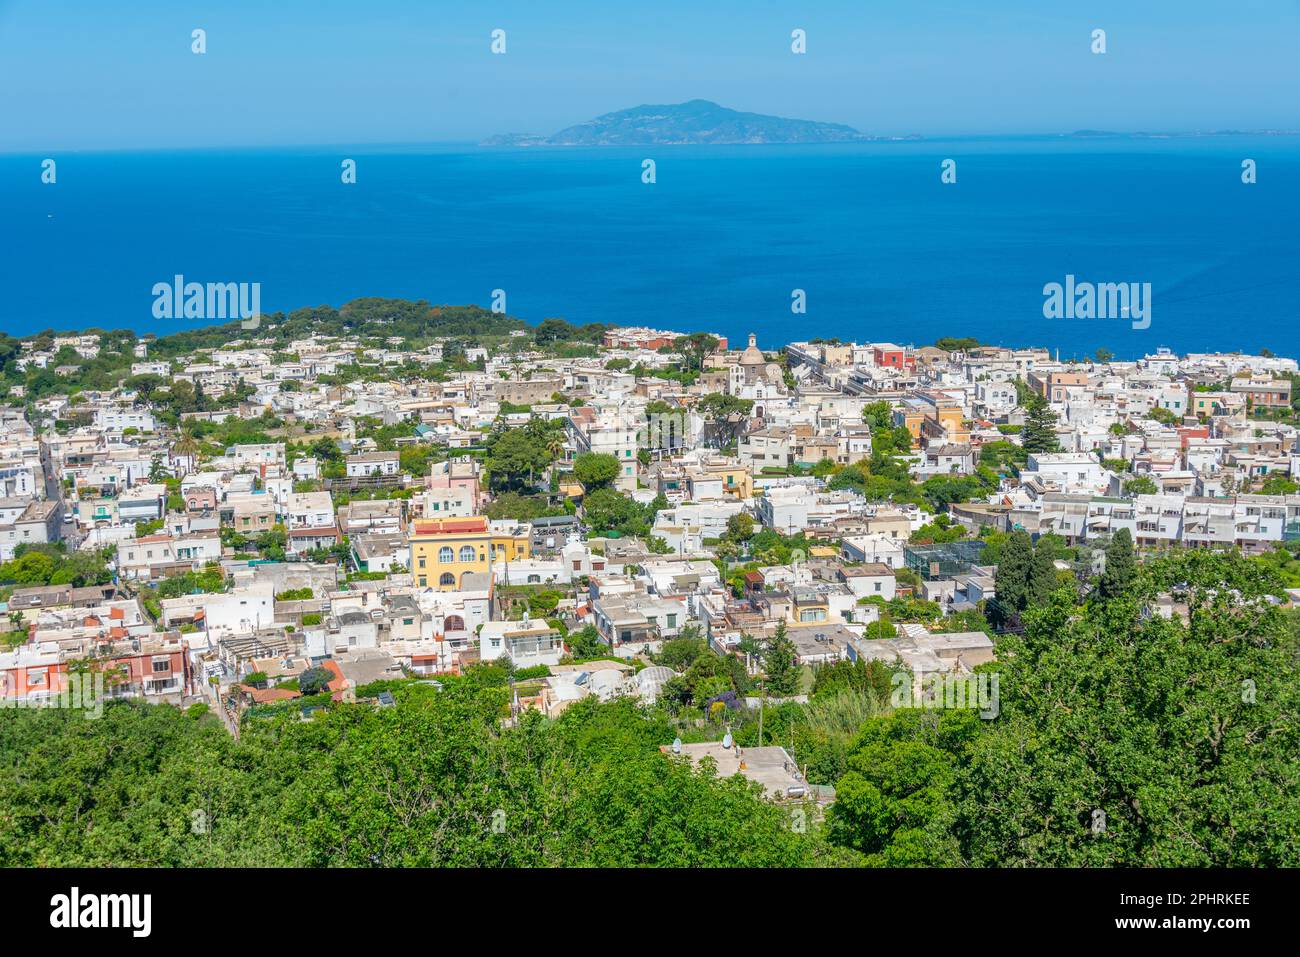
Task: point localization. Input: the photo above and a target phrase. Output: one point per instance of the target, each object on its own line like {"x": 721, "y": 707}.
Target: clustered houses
{"x": 359, "y": 566}
{"x": 1181, "y": 426}
{"x": 29, "y": 513}
{"x": 66, "y": 629}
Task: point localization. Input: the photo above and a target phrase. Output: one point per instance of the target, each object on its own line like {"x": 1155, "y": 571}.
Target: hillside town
{"x": 318, "y": 518}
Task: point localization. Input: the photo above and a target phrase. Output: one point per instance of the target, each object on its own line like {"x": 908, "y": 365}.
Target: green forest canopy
{"x": 1121, "y": 739}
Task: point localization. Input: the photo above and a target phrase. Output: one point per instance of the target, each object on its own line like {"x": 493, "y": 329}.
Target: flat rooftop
{"x": 771, "y": 766}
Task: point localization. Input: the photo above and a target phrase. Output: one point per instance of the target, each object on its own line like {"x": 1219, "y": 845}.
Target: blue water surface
{"x": 882, "y": 248}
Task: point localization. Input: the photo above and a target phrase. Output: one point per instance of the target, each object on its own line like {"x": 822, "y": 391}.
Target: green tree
{"x": 416, "y": 459}
{"x": 781, "y": 664}
{"x": 1039, "y": 434}
{"x": 553, "y": 330}
{"x": 680, "y": 653}
{"x": 1120, "y": 566}
{"x": 695, "y": 347}
{"x": 740, "y": 527}
{"x": 896, "y": 804}
{"x": 882, "y": 629}
{"x": 521, "y": 508}
{"x": 157, "y": 468}
{"x": 1042, "y": 579}
{"x": 609, "y": 509}
{"x": 515, "y": 456}
{"x": 596, "y": 470}
{"x": 1142, "y": 485}
{"x": 417, "y": 785}
{"x": 314, "y": 680}
{"x": 724, "y": 413}
{"x": 1140, "y": 741}
{"x": 31, "y": 568}
{"x": 1012, "y": 579}
{"x": 1277, "y": 484}
{"x": 871, "y": 678}
{"x": 586, "y": 643}
{"x": 326, "y": 450}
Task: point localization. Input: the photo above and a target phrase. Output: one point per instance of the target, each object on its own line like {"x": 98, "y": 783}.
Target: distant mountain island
{"x": 695, "y": 122}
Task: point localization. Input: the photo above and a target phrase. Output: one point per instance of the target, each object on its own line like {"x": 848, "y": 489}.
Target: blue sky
{"x": 92, "y": 74}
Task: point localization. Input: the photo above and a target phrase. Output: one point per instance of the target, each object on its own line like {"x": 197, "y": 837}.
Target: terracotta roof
{"x": 264, "y": 695}
{"x": 339, "y": 682}
{"x": 441, "y": 526}
{"x": 318, "y": 532}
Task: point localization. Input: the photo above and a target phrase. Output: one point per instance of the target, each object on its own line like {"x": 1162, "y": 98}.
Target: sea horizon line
{"x": 877, "y": 139}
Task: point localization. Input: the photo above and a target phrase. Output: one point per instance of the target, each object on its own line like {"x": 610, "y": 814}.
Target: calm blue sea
{"x": 883, "y": 250}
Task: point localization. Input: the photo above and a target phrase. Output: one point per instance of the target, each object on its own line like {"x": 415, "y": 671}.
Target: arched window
{"x": 467, "y": 553}
{"x": 453, "y": 623}
{"x": 445, "y": 555}
{"x": 447, "y": 579}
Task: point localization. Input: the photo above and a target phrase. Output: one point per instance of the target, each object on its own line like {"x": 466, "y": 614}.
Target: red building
{"x": 889, "y": 356}
{"x": 142, "y": 667}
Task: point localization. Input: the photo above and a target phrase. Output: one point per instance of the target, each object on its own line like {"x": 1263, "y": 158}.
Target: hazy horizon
{"x": 415, "y": 145}
{"x": 81, "y": 75}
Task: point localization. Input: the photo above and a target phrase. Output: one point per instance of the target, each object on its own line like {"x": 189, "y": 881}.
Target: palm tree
{"x": 187, "y": 446}
{"x": 554, "y": 447}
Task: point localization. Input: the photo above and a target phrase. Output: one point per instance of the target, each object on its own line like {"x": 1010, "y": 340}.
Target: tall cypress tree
{"x": 780, "y": 664}
{"x": 1121, "y": 566}
{"x": 1039, "y": 433}
{"x": 1012, "y": 578}
{"x": 1042, "y": 577}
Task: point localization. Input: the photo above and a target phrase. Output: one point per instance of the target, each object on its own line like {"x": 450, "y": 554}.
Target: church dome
{"x": 752, "y": 356}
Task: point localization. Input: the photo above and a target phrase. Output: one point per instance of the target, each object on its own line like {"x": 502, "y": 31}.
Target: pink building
{"x": 461, "y": 474}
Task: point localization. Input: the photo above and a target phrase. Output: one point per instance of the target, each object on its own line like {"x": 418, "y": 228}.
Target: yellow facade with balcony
{"x": 444, "y": 551}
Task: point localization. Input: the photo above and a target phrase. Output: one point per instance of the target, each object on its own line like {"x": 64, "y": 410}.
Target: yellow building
{"x": 736, "y": 477}
{"x": 932, "y": 418}
{"x": 1208, "y": 403}
{"x": 571, "y": 489}
{"x": 445, "y": 550}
